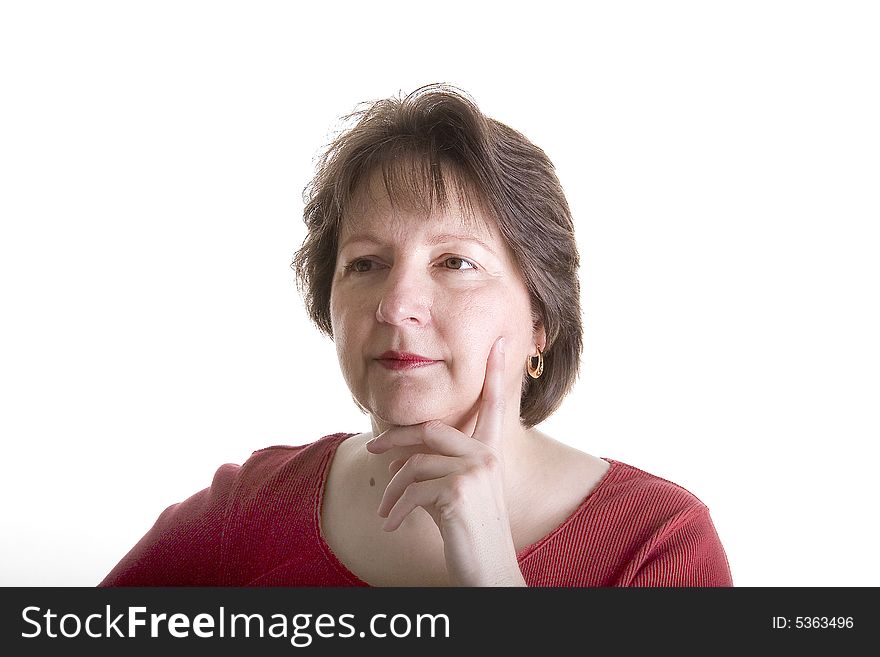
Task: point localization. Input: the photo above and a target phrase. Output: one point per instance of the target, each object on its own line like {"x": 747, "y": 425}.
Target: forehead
{"x": 382, "y": 205}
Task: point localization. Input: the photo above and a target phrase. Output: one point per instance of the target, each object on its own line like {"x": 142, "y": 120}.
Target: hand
{"x": 460, "y": 483}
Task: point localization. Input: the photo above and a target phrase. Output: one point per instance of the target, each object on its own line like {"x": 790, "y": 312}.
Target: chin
{"x": 402, "y": 417}
{"x": 407, "y": 402}
{"x": 409, "y": 414}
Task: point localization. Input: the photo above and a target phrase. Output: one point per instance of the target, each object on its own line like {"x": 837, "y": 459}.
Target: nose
{"x": 405, "y": 299}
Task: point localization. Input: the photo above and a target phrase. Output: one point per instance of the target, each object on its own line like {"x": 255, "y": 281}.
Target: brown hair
{"x": 422, "y": 143}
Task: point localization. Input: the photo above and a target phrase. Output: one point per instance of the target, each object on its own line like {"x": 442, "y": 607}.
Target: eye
{"x": 361, "y": 266}
{"x": 460, "y": 264}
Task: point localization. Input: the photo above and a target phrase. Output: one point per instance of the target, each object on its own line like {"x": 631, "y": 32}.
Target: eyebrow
{"x": 435, "y": 240}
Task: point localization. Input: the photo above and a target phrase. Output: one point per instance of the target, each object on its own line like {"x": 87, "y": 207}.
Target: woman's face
{"x": 439, "y": 289}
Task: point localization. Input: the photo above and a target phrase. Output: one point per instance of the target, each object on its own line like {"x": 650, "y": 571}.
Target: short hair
{"x": 422, "y": 143}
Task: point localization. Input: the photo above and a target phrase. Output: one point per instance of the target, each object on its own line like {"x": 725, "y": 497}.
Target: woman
{"x": 440, "y": 257}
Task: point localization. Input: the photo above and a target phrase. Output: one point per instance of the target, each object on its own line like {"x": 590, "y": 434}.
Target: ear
{"x": 539, "y": 335}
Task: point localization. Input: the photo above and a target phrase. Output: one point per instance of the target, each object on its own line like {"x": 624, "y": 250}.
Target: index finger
{"x": 490, "y": 420}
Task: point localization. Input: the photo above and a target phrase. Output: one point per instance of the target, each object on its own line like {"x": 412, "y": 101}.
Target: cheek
{"x": 348, "y": 332}
{"x": 348, "y": 311}
{"x": 487, "y": 317}
{"x": 472, "y": 318}
{"x": 473, "y": 326}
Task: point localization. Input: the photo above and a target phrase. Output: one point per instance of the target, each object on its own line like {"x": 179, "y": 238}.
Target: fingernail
{"x": 500, "y": 345}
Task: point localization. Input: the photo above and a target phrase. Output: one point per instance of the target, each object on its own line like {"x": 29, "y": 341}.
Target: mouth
{"x": 401, "y": 360}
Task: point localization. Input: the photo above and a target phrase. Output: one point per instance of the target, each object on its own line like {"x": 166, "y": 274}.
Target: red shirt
{"x": 258, "y": 525}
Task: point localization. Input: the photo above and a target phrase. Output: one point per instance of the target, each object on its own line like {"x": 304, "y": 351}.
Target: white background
{"x": 722, "y": 161}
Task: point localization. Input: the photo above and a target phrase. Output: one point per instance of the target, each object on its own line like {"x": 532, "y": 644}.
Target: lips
{"x": 403, "y": 360}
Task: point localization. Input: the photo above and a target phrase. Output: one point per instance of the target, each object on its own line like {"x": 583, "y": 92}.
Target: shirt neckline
{"x": 333, "y": 442}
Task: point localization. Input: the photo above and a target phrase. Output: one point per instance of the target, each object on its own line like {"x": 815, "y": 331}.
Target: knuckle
{"x": 457, "y": 491}
{"x": 414, "y": 491}
{"x": 429, "y": 433}
{"x": 490, "y": 461}
{"x": 496, "y": 403}
{"x": 402, "y": 503}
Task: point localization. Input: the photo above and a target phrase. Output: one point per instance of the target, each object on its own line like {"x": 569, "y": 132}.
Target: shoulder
{"x": 630, "y": 486}
{"x": 281, "y": 468}
{"x": 666, "y": 527}
{"x": 191, "y": 540}
{"x": 634, "y": 529}
{"x": 634, "y": 509}
{"x": 644, "y": 505}
{"x": 280, "y": 460}
{"x": 269, "y": 466}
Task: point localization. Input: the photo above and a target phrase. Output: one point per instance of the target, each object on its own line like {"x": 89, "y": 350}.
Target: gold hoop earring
{"x": 535, "y": 370}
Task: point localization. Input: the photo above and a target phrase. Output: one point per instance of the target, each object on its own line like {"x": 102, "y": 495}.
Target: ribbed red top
{"x": 258, "y": 524}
